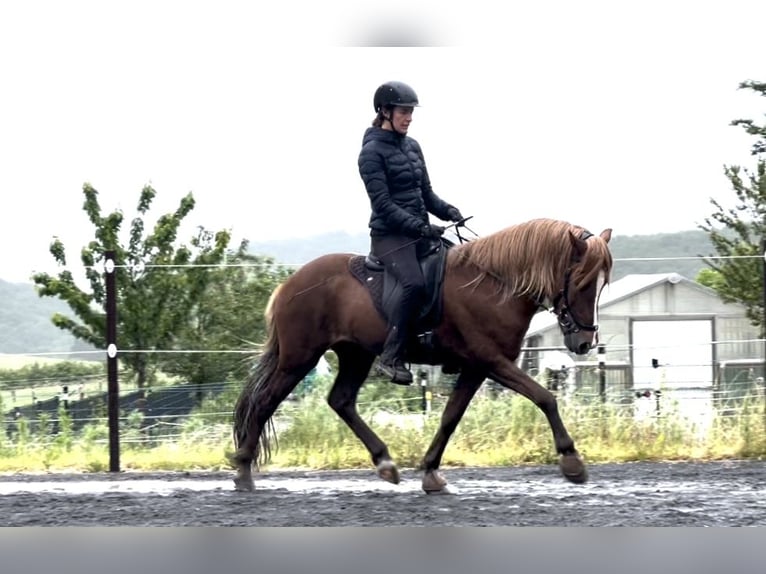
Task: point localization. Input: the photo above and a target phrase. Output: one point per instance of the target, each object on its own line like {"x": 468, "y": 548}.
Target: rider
{"x": 394, "y": 173}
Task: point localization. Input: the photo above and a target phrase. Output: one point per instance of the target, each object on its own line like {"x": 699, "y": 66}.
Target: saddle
{"x": 384, "y": 287}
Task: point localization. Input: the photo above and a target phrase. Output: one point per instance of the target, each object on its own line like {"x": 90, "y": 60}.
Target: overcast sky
{"x": 606, "y": 114}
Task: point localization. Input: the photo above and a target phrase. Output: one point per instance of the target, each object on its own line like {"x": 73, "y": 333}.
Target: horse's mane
{"x": 531, "y": 258}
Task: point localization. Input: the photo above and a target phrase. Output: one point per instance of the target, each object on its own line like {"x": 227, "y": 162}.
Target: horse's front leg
{"x": 353, "y": 367}
{"x": 465, "y": 388}
{"x": 511, "y": 376}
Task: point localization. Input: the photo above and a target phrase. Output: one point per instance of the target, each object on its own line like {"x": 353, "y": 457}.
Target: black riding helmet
{"x": 393, "y": 94}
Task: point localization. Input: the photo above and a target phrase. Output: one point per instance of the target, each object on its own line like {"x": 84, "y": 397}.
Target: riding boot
{"x": 391, "y": 363}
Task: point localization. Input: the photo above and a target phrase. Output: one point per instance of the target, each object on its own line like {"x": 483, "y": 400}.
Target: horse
{"x": 492, "y": 287}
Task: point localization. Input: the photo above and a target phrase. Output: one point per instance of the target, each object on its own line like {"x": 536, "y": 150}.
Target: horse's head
{"x": 576, "y": 305}
{"x": 547, "y": 262}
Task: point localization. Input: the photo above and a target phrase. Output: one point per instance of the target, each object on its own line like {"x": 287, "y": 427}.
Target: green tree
{"x": 157, "y": 282}
{"x": 228, "y": 321}
{"x": 710, "y": 278}
{"x": 738, "y": 275}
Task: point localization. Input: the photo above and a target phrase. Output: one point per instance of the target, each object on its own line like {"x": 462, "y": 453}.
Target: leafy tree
{"x": 227, "y": 319}
{"x": 157, "y": 283}
{"x": 738, "y": 276}
{"x": 710, "y": 278}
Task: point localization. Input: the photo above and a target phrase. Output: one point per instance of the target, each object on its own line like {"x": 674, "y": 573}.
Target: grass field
{"x": 24, "y": 397}
{"x": 21, "y": 398}
{"x": 11, "y": 362}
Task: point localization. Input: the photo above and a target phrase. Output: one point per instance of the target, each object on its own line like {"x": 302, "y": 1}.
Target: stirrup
{"x": 396, "y": 371}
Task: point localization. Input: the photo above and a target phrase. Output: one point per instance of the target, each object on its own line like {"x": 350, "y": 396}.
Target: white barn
{"x": 662, "y": 332}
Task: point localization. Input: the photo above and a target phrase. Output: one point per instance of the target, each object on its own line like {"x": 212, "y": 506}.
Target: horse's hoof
{"x": 243, "y": 485}
{"x": 387, "y": 471}
{"x": 446, "y": 489}
{"x": 573, "y": 468}
{"x": 435, "y": 483}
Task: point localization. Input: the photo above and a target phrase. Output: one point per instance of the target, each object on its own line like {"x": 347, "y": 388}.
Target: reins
{"x": 457, "y": 225}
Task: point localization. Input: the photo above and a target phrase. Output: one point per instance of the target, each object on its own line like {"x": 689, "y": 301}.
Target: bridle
{"x": 562, "y": 306}
{"x": 563, "y": 311}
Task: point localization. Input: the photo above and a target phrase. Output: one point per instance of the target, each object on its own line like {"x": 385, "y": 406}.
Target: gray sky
{"x": 606, "y": 114}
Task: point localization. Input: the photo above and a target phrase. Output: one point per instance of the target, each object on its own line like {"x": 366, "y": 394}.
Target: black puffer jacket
{"x": 394, "y": 173}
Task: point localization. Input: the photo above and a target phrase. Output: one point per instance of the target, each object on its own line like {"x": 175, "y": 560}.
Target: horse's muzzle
{"x": 575, "y": 343}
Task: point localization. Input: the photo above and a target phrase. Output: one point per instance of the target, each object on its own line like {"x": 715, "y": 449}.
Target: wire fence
{"x": 172, "y": 410}
{"x": 140, "y": 267}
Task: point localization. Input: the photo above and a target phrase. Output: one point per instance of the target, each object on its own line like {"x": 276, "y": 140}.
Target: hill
{"x": 300, "y": 251}
{"x": 25, "y": 325}
{"x": 25, "y": 322}
{"x": 667, "y": 252}
{"x": 670, "y": 252}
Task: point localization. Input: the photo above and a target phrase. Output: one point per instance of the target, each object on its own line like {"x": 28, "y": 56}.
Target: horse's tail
{"x": 256, "y": 387}
{"x": 268, "y": 313}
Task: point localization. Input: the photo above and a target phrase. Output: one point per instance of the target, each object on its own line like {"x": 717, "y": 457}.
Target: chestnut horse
{"x": 492, "y": 287}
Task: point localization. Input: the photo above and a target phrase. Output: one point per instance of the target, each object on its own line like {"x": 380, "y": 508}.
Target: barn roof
{"x": 623, "y": 288}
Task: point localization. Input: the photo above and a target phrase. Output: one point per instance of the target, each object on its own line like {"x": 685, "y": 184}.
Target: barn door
{"x": 672, "y": 353}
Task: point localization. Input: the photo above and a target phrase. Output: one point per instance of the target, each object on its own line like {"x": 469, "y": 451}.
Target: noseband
{"x": 562, "y": 308}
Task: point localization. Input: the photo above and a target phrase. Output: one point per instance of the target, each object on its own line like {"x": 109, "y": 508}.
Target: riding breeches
{"x": 400, "y": 256}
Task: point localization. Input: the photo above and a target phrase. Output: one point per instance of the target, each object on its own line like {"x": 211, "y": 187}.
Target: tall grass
{"x": 500, "y": 428}
{"x": 507, "y": 429}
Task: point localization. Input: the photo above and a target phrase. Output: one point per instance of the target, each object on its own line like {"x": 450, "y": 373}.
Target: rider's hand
{"x": 432, "y": 231}
{"x": 454, "y": 214}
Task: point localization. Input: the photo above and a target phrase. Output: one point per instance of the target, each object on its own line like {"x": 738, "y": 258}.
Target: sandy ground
{"x": 731, "y": 493}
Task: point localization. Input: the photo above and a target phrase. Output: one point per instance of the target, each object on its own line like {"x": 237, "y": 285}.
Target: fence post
{"x": 423, "y": 376}
{"x": 602, "y": 371}
{"x": 763, "y": 326}
{"x": 113, "y": 389}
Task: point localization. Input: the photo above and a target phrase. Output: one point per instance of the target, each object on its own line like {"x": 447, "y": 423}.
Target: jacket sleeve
{"x": 373, "y": 171}
{"x": 434, "y": 204}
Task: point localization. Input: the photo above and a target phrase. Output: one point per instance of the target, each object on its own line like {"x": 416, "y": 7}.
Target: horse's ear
{"x": 606, "y": 235}
{"x": 578, "y": 245}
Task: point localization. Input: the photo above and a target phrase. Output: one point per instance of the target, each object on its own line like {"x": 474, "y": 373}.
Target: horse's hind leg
{"x": 465, "y": 388}
{"x": 353, "y": 367}
{"x": 258, "y": 402}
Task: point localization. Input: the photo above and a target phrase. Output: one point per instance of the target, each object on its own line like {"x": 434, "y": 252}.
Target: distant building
{"x": 662, "y": 332}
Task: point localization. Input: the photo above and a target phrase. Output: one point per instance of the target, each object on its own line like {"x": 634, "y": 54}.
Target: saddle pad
{"x": 373, "y": 280}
